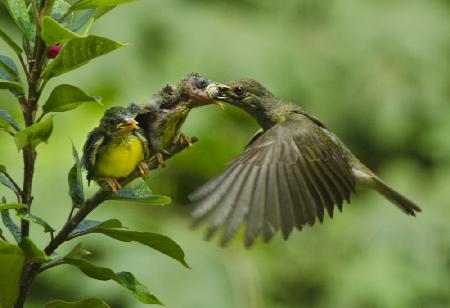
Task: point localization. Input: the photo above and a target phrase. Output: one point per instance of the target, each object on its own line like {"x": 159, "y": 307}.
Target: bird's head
{"x": 118, "y": 121}
{"x": 199, "y": 90}
{"x": 247, "y": 94}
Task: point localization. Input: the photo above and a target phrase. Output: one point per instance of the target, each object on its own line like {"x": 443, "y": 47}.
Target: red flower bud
{"x": 53, "y": 51}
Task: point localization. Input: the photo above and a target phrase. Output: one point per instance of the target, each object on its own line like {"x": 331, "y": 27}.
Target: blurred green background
{"x": 376, "y": 72}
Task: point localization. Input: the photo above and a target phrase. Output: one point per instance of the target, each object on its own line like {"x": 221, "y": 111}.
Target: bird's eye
{"x": 202, "y": 83}
{"x": 238, "y": 91}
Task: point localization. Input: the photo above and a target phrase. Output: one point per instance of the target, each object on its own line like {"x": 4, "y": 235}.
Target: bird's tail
{"x": 406, "y": 205}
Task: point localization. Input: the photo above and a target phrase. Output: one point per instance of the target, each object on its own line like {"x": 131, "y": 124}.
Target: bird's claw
{"x": 144, "y": 169}
{"x": 160, "y": 160}
{"x": 185, "y": 140}
{"x": 113, "y": 183}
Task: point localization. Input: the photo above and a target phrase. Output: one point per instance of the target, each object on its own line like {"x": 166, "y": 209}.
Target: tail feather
{"x": 406, "y": 205}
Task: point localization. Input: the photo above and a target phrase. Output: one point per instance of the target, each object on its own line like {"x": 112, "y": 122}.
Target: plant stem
{"x": 29, "y": 108}
{"x": 104, "y": 193}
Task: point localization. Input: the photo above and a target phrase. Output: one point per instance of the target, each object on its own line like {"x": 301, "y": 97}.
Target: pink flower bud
{"x": 53, "y": 51}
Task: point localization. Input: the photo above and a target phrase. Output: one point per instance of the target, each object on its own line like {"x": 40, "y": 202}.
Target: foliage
{"x": 44, "y": 25}
{"x": 376, "y": 72}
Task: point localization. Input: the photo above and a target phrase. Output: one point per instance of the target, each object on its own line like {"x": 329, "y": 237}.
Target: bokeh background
{"x": 376, "y": 72}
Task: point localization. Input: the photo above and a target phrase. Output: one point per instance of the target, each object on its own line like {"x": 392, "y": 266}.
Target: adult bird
{"x": 115, "y": 148}
{"x": 162, "y": 117}
{"x": 290, "y": 173}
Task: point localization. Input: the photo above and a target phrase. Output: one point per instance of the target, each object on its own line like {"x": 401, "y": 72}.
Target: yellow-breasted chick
{"x": 115, "y": 148}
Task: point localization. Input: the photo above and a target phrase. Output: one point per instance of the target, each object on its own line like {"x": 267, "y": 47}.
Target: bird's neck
{"x": 122, "y": 137}
{"x": 271, "y": 112}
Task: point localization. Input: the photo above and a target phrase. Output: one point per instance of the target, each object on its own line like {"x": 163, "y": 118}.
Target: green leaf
{"x": 11, "y": 206}
{"x": 7, "y": 120}
{"x": 125, "y": 279}
{"x": 35, "y": 134}
{"x": 89, "y": 226}
{"x": 140, "y": 192}
{"x": 5, "y": 181}
{"x": 82, "y": 20}
{"x": 10, "y": 85}
{"x": 100, "y": 11}
{"x": 89, "y": 4}
{"x": 9, "y": 68}
{"x": 77, "y": 52}
{"x": 76, "y": 180}
{"x": 11, "y": 264}
{"x": 66, "y": 97}
{"x": 85, "y": 303}
{"x": 12, "y": 227}
{"x": 32, "y": 253}
{"x": 37, "y": 220}
{"x": 75, "y": 253}
{"x": 8, "y": 40}
{"x": 156, "y": 241}
{"x": 19, "y": 13}
{"x": 60, "y": 8}
{"x": 9, "y": 77}
{"x": 53, "y": 32}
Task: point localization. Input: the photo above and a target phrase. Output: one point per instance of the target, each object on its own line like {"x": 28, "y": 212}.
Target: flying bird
{"x": 292, "y": 172}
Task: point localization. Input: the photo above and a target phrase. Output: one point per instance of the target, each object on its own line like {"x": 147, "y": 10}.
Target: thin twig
{"x": 51, "y": 265}
{"x": 24, "y": 67}
{"x": 65, "y": 16}
{"x": 3, "y": 238}
{"x": 40, "y": 117}
{"x": 12, "y": 181}
{"x": 71, "y": 212}
{"x": 18, "y": 191}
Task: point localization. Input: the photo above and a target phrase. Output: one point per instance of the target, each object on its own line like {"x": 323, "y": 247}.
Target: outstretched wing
{"x": 90, "y": 150}
{"x": 288, "y": 176}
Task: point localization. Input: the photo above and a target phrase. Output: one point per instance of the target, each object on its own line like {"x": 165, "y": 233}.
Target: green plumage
{"x": 111, "y": 151}
{"x": 292, "y": 172}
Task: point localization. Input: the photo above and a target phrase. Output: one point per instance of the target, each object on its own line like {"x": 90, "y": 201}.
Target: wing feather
{"x": 95, "y": 140}
{"x": 287, "y": 176}
{"x": 227, "y": 200}
{"x": 241, "y": 205}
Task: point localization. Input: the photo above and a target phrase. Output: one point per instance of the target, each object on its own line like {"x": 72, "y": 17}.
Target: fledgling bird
{"x": 291, "y": 172}
{"x": 163, "y": 116}
{"x": 115, "y": 148}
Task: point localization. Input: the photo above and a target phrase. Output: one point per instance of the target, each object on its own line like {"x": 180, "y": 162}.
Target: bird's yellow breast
{"x": 119, "y": 157}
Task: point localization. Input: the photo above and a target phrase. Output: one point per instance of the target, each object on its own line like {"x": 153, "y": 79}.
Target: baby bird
{"x": 115, "y": 148}
{"x": 163, "y": 116}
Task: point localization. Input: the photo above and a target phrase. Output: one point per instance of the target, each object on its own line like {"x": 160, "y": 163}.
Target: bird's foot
{"x": 185, "y": 140}
{"x": 144, "y": 169}
{"x": 160, "y": 159}
{"x": 113, "y": 183}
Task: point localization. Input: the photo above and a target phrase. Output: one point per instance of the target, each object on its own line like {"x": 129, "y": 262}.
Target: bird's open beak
{"x": 217, "y": 91}
{"x": 128, "y": 123}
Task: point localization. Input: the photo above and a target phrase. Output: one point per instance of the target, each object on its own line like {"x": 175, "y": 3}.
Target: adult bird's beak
{"x": 217, "y": 91}
{"x": 128, "y": 123}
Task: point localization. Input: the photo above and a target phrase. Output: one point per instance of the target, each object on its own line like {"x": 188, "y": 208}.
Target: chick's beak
{"x": 128, "y": 123}
{"x": 217, "y": 91}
